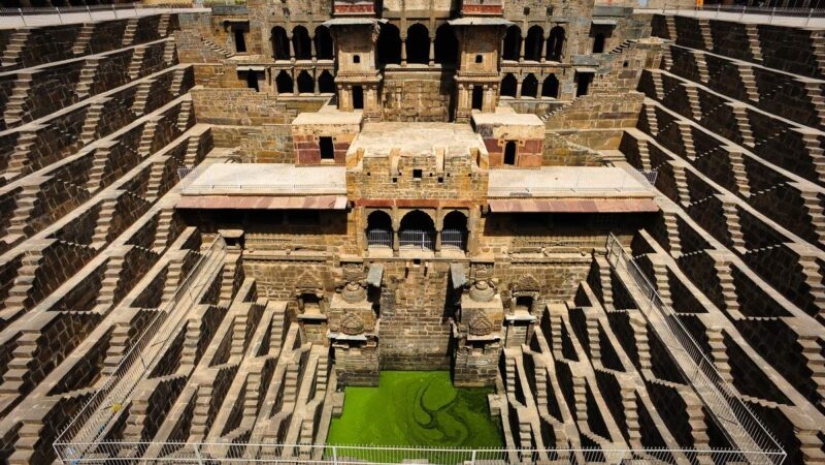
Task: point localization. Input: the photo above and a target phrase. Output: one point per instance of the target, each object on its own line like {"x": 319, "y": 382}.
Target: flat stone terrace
{"x": 380, "y": 139}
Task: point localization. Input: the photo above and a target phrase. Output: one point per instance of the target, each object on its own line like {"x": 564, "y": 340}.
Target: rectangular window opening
{"x": 418, "y": 174}
{"x": 327, "y": 148}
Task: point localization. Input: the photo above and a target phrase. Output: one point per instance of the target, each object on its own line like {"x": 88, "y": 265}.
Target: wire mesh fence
{"x": 232, "y": 452}
{"x": 742, "y": 428}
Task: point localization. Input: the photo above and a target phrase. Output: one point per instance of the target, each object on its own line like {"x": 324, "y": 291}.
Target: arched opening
{"x": 550, "y": 87}
{"x": 358, "y": 97}
{"x": 512, "y": 44}
{"x": 446, "y": 45}
{"x": 478, "y": 97}
{"x": 379, "y": 230}
{"x": 417, "y": 231}
{"x": 323, "y": 43}
{"x": 509, "y": 85}
{"x": 240, "y": 39}
{"x": 533, "y": 43}
{"x": 284, "y": 83}
{"x": 389, "y": 45}
{"x": 598, "y": 43}
{"x": 454, "y": 234}
{"x": 418, "y": 44}
{"x": 530, "y": 86}
{"x": 555, "y": 44}
{"x": 301, "y": 43}
{"x": 326, "y": 83}
{"x": 306, "y": 85}
{"x": 510, "y": 153}
{"x": 280, "y": 43}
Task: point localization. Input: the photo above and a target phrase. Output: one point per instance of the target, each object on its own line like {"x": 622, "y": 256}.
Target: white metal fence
{"x": 741, "y": 427}
{"x": 379, "y": 238}
{"x": 416, "y": 239}
{"x": 80, "y": 439}
{"x": 220, "y": 453}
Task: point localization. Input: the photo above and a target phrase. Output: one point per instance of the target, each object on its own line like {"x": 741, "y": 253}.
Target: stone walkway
{"x": 778, "y": 19}
{"x": 28, "y": 20}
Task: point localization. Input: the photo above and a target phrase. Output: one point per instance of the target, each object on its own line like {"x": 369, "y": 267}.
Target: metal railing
{"x": 453, "y": 239}
{"x": 765, "y": 13}
{"x": 80, "y": 436}
{"x": 227, "y": 452}
{"x": 416, "y": 239}
{"x": 47, "y": 16}
{"x": 742, "y": 428}
{"x": 379, "y": 238}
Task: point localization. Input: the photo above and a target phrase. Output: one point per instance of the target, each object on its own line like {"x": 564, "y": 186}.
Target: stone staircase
{"x": 163, "y": 232}
{"x": 671, "y": 27}
{"x": 17, "y": 106}
{"x": 104, "y": 223}
{"x": 813, "y": 207}
{"x": 189, "y": 353}
{"x": 12, "y": 54}
{"x": 87, "y": 77}
{"x": 741, "y": 113}
{"x": 814, "y": 90}
{"x": 671, "y": 220}
{"x": 89, "y": 132}
{"x": 693, "y": 98}
{"x": 20, "y": 159}
{"x": 216, "y": 48}
{"x": 83, "y": 39}
{"x": 652, "y": 120}
{"x": 639, "y": 326}
{"x": 719, "y": 351}
{"x": 111, "y": 277}
{"x": 707, "y": 37}
{"x": 680, "y": 179}
{"x": 17, "y": 374}
{"x": 731, "y": 214}
{"x": 184, "y": 115}
{"x": 701, "y": 66}
{"x": 813, "y": 146}
{"x": 740, "y": 174}
{"x": 726, "y": 284}
{"x": 25, "y": 204}
{"x": 661, "y": 280}
{"x": 129, "y": 33}
{"x": 177, "y": 82}
{"x": 99, "y": 164}
{"x": 137, "y": 62}
{"x": 147, "y": 137}
{"x": 813, "y": 348}
{"x": 174, "y": 274}
{"x": 142, "y": 97}
{"x": 169, "y": 53}
{"x": 163, "y": 25}
{"x": 748, "y": 81}
{"x": 155, "y": 181}
{"x": 291, "y": 381}
{"x": 753, "y": 40}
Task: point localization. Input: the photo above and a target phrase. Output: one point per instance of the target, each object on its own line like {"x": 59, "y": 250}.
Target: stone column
{"x": 404, "y": 51}
{"x": 312, "y": 48}
{"x": 544, "y": 48}
{"x": 519, "y": 80}
{"x": 291, "y": 47}
{"x": 438, "y": 240}
{"x": 432, "y": 51}
{"x": 315, "y": 78}
{"x": 521, "y": 50}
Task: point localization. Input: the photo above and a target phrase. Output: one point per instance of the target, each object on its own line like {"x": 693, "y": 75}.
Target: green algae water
{"x": 416, "y": 408}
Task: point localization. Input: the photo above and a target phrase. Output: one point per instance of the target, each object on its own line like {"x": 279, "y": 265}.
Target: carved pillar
{"x": 403, "y": 51}
{"x": 291, "y": 48}
{"x": 544, "y": 48}
{"x": 315, "y": 76}
{"x": 432, "y": 51}
{"x": 521, "y": 50}
{"x": 312, "y": 48}
{"x": 519, "y": 80}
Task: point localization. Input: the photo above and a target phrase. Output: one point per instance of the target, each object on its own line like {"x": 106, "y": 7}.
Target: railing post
{"x": 334, "y": 455}
{"x": 810, "y": 12}
{"x": 60, "y": 16}
{"x": 473, "y": 459}
{"x": 22, "y": 16}
{"x": 197, "y": 453}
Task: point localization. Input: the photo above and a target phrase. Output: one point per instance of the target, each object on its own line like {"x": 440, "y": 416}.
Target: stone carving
{"x": 351, "y": 324}
{"x": 353, "y": 292}
{"x": 479, "y": 324}
{"x": 482, "y": 291}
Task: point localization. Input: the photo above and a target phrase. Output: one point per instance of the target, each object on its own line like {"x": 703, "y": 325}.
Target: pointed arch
{"x": 280, "y": 44}
{"x": 283, "y": 83}
{"x": 509, "y": 85}
{"x": 306, "y": 85}
{"x": 512, "y": 44}
{"x": 534, "y": 43}
{"x": 550, "y": 87}
{"x": 389, "y": 45}
{"x": 301, "y": 43}
{"x": 530, "y": 86}
{"x": 555, "y": 44}
{"x": 446, "y": 45}
{"x": 323, "y": 43}
{"x": 326, "y": 83}
{"x": 418, "y": 44}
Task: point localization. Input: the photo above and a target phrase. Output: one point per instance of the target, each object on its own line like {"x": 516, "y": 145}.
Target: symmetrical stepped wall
{"x": 732, "y": 122}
